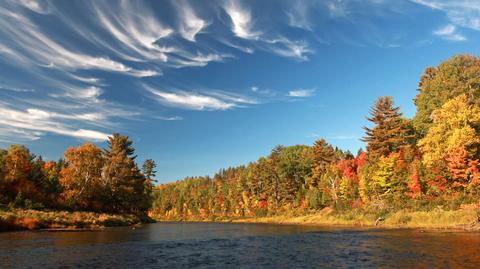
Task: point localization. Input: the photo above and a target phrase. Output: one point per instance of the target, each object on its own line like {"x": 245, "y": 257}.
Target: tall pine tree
{"x": 124, "y": 182}
{"x": 390, "y": 131}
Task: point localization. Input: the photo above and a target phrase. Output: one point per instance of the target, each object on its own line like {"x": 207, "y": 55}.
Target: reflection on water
{"x": 209, "y": 245}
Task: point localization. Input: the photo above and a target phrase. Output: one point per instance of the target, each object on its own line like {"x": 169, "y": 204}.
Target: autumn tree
{"x": 465, "y": 173}
{"x": 294, "y": 167}
{"x": 453, "y": 77}
{"x": 81, "y": 177}
{"x": 455, "y": 124}
{"x": 124, "y": 183}
{"x": 323, "y": 157}
{"x": 50, "y": 182}
{"x": 2, "y": 176}
{"x": 18, "y": 163}
{"x": 389, "y": 132}
{"x": 275, "y": 186}
{"x": 260, "y": 175}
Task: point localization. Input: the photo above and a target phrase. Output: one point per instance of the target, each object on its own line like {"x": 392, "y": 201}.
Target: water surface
{"x": 214, "y": 245}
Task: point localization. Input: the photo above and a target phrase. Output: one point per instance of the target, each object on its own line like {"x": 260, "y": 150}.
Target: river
{"x": 215, "y": 245}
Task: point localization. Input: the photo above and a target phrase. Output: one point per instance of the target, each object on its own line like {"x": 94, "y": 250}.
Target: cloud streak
{"x": 241, "y": 20}
{"x": 461, "y": 13}
{"x": 32, "y": 123}
{"x": 190, "y": 24}
{"x": 301, "y": 93}
{"x": 449, "y": 32}
{"x": 193, "y": 100}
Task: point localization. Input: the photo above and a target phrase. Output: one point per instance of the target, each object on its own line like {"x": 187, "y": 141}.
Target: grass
{"x": 462, "y": 218}
{"x": 465, "y": 219}
{"x": 20, "y": 219}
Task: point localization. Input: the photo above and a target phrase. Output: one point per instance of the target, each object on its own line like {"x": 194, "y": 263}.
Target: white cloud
{"x": 90, "y": 80}
{"x": 288, "y": 48}
{"x": 336, "y": 9}
{"x": 191, "y": 101}
{"x": 344, "y": 137}
{"x": 173, "y": 118}
{"x": 35, "y": 5}
{"x": 136, "y": 29}
{"x": 463, "y": 13}
{"x": 39, "y": 49}
{"x": 5, "y": 88}
{"x": 200, "y": 59}
{"x": 190, "y": 23}
{"x": 449, "y": 32}
{"x": 89, "y": 93}
{"x": 205, "y": 100}
{"x": 298, "y": 15}
{"x": 128, "y": 38}
{"x": 301, "y": 93}
{"x": 32, "y": 123}
{"x": 241, "y": 20}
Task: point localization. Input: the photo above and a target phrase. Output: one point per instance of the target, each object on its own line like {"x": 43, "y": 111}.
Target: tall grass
{"x": 20, "y": 219}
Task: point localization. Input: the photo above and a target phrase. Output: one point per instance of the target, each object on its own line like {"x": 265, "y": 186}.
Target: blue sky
{"x": 201, "y": 85}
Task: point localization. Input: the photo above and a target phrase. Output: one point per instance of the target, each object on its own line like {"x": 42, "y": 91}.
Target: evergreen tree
{"x": 148, "y": 169}
{"x": 390, "y": 131}
{"x": 125, "y": 184}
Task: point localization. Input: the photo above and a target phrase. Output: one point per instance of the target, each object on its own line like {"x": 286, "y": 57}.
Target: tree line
{"x": 432, "y": 158}
{"x": 86, "y": 178}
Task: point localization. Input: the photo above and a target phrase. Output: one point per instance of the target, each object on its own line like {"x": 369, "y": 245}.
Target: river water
{"x": 214, "y": 245}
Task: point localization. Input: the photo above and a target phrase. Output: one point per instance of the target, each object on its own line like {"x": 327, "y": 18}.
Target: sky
{"x": 203, "y": 85}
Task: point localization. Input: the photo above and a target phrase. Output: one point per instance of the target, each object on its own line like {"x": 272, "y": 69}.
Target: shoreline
{"x": 54, "y": 221}
{"x": 438, "y": 220}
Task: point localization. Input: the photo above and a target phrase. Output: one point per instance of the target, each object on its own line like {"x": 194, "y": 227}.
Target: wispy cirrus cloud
{"x": 35, "y": 5}
{"x": 301, "y": 93}
{"x": 449, "y": 32}
{"x": 299, "y": 16}
{"x": 194, "y": 100}
{"x": 461, "y": 13}
{"x": 189, "y": 100}
{"x": 79, "y": 56}
{"x": 190, "y": 24}
{"x": 31, "y": 124}
{"x": 241, "y": 20}
{"x": 242, "y": 25}
{"x": 334, "y": 137}
{"x": 136, "y": 32}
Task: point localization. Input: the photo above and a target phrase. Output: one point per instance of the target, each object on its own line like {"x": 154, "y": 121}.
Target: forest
{"x": 87, "y": 178}
{"x": 430, "y": 160}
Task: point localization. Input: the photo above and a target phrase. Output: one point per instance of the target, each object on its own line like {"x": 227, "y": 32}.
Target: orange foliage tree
{"x": 81, "y": 177}
{"x": 464, "y": 169}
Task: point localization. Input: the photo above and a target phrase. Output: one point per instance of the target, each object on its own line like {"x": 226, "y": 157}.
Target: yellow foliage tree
{"x": 454, "y": 125}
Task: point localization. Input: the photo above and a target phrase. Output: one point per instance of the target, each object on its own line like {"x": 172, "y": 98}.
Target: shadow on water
{"x": 218, "y": 245}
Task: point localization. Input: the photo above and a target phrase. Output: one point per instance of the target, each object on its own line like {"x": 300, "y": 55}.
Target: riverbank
{"x": 460, "y": 219}
{"x": 19, "y": 219}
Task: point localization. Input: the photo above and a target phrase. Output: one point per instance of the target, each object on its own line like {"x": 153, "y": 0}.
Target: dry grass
{"x": 434, "y": 219}
{"x": 34, "y": 219}
{"x": 464, "y": 218}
